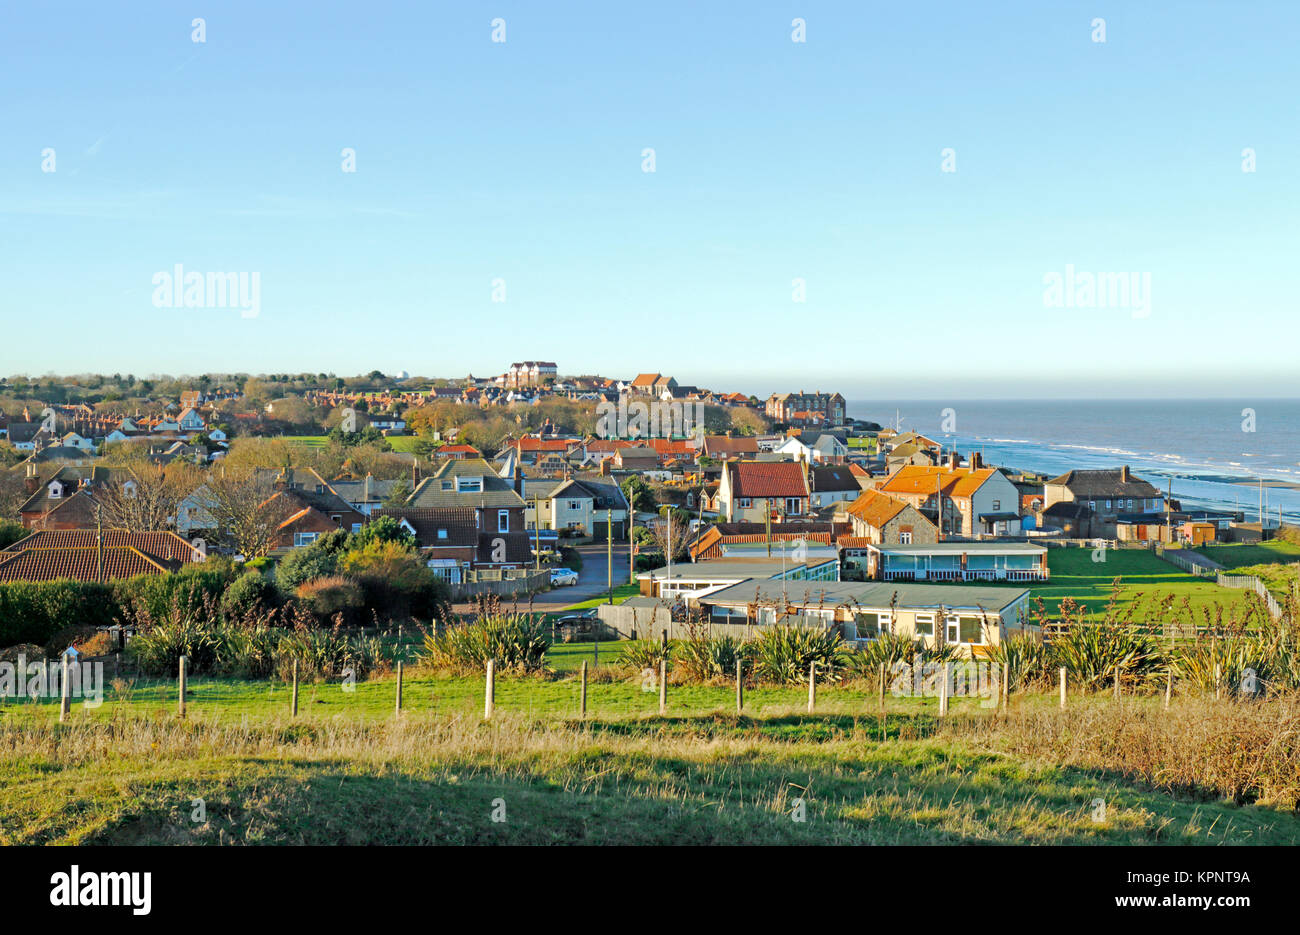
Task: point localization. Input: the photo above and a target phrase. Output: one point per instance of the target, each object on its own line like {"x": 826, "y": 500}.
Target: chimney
{"x": 1124, "y": 475}
{"x": 32, "y": 481}
{"x": 976, "y": 461}
{"x": 953, "y": 460}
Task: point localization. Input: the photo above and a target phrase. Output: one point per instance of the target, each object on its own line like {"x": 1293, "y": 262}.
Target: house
{"x": 799, "y": 407}
{"x": 758, "y": 491}
{"x": 453, "y": 541}
{"x": 832, "y": 484}
{"x": 1107, "y": 493}
{"x": 471, "y": 484}
{"x": 23, "y": 435}
{"x": 84, "y": 555}
{"x": 61, "y": 501}
{"x": 726, "y": 447}
{"x": 584, "y": 505}
{"x": 876, "y": 519}
{"x": 958, "y": 561}
{"x": 962, "y": 501}
{"x": 973, "y": 619}
{"x": 310, "y": 506}
{"x": 457, "y": 452}
{"x": 190, "y": 421}
{"x": 715, "y": 539}
{"x": 530, "y": 373}
{"x": 367, "y": 494}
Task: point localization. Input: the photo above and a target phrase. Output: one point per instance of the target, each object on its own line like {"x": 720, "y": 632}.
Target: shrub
{"x": 516, "y": 642}
{"x": 1027, "y": 660}
{"x": 251, "y": 593}
{"x": 708, "y": 657}
{"x": 783, "y": 653}
{"x": 889, "y": 648}
{"x": 396, "y": 582}
{"x": 302, "y": 565}
{"x": 1093, "y": 653}
{"x": 334, "y": 595}
{"x": 639, "y": 655}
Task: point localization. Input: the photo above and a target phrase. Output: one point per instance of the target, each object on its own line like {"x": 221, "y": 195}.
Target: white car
{"x": 563, "y": 576}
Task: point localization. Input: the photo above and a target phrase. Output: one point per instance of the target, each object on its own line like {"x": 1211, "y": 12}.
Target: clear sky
{"x": 774, "y": 161}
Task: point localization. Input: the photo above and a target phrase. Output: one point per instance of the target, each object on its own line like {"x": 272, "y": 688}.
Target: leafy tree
{"x": 385, "y": 529}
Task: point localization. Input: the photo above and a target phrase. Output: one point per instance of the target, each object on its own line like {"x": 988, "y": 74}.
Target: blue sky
{"x": 775, "y": 161}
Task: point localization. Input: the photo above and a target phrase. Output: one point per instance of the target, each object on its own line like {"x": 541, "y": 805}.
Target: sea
{"x": 1210, "y": 452}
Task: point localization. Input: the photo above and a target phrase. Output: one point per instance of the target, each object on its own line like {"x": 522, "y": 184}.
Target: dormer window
{"x": 469, "y": 485}
{"x": 56, "y": 490}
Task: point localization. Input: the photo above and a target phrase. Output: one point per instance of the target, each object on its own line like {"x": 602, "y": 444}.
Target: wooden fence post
{"x": 812, "y": 686}
{"x": 582, "y": 702}
{"x": 180, "y": 687}
{"x": 293, "y": 708}
{"x": 1216, "y": 681}
{"x": 740, "y": 689}
{"x": 880, "y": 696}
{"x": 663, "y": 680}
{"x": 943, "y": 692}
{"x": 398, "y": 708}
{"x": 1062, "y": 688}
{"x": 1117, "y": 688}
{"x": 490, "y": 691}
{"x": 1006, "y": 684}
{"x": 1169, "y": 686}
{"x": 65, "y": 696}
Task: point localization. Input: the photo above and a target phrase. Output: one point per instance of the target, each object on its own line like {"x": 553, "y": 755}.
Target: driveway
{"x": 592, "y": 581}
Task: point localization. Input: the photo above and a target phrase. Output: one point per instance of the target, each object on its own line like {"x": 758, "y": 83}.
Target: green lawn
{"x": 309, "y": 441}
{"x": 1143, "y": 577}
{"x": 1264, "y": 553}
{"x": 621, "y": 593}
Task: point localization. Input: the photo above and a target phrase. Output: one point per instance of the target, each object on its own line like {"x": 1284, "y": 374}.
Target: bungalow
{"x": 971, "y": 618}
{"x": 958, "y": 561}
{"x": 84, "y": 555}
{"x": 690, "y": 581}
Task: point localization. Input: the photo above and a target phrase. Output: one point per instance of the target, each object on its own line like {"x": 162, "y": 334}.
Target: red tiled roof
{"x": 80, "y": 564}
{"x": 159, "y": 546}
{"x": 875, "y": 508}
{"x": 768, "y": 479}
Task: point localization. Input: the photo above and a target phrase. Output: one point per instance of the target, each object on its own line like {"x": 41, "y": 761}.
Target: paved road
{"x": 592, "y": 581}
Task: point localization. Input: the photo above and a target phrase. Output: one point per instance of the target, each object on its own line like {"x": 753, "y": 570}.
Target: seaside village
{"x": 795, "y": 511}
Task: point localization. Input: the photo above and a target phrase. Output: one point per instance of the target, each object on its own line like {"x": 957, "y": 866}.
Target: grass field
{"x": 1144, "y": 578}
{"x": 348, "y": 770}
{"x": 1236, "y": 556}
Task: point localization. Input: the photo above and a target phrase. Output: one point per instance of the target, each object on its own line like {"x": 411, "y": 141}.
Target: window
{"x": 904, "y": 538}
{"x": 997, "y": 505}
{"x": 1130, "y": 504}
{"x": 469, "y": 485}
{"x": 503, "y": 520}
{"x": 871, "y": 624}
{"x": 442, "y": 534}
{"x": 575, "y": 505}
{"x": 744, "y": 503}
{"x": 304, "y": 538}
{"x": 923, "y": 624}
{"x": 446, "y": 485}
{"x": 793, "y": 506}
{"x": 1108, "y": 504}
{"x": 356, "y": 527}
{"x": 965, "y": 629}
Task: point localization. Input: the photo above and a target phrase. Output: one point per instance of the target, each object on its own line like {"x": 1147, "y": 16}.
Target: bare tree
{"x": 672, "y": 536}
{"x": 145, "y": 499}
{"x": 248, "y": 511}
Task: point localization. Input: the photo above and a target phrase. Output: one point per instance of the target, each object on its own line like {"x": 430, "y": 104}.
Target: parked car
{"x": 572, "y": 626}
{"x": 560, "y": 577}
